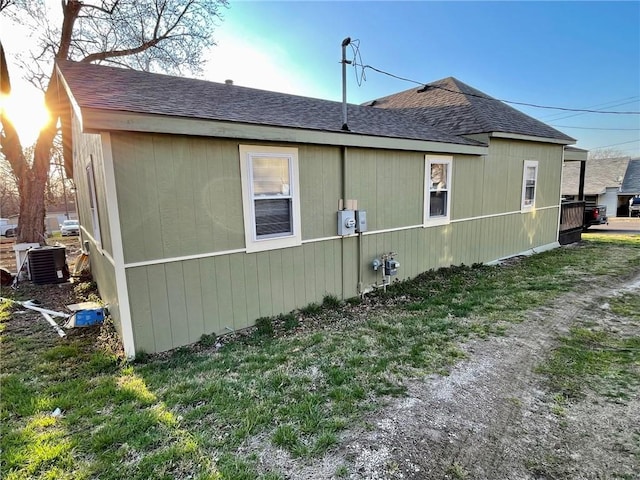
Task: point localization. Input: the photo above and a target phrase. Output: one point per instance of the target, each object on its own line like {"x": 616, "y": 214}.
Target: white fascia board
{"x": 96, "y": 121}
{"x": 530, "y": 138}
{"x": 575, "y": 156}
{"x": 62, "y": 83}
{"x": 126, "y": 323}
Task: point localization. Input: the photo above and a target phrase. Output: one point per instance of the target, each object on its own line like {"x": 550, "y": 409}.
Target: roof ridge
{"x": 464, "y": 110}
{"x": 478, "y": 114}
{"x": 109, "y": 88}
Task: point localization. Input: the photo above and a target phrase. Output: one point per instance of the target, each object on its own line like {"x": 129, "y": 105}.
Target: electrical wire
{"x": 615, "y": 144}
{"x": 554, "y": 117}
{"x": 355, "y": 47}
{"x": 598, "y": 128}
{"x": 534, "y": 105}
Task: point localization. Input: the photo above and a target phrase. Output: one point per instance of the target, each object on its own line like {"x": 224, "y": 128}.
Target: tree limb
{"x": 104, "y": 10}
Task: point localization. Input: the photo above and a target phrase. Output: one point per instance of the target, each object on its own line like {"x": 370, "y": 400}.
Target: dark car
{"x": 594, "y": 215}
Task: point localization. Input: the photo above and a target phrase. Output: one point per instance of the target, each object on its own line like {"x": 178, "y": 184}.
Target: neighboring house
{"x": 608, "y": 181}
{"x": 206, "y": 206}
{"x": 631, "y": 183}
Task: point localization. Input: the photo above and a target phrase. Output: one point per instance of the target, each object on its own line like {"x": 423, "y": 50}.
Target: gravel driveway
{"x": 492, "y": 417}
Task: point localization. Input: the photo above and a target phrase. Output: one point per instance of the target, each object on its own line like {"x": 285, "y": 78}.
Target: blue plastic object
{"x": 85, "y": 318}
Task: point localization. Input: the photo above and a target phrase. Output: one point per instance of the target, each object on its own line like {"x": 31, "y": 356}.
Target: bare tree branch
{"x": 159, "y": 35}
{"x": 102, "y": 9}
{"x": 6, "y": 3}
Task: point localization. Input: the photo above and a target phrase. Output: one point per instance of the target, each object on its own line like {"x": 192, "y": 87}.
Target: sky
{"x": 580, "y": 55}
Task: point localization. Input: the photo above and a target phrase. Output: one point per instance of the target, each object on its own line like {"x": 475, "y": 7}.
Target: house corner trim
{"x": 126, "y": 323}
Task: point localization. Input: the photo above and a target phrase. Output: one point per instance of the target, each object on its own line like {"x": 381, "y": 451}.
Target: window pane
{"x": 438, "y": 204}
{"x": 529, "y": 194}
{"x": 270, "y": 176}
{"x": 531, "y": 175}
{"x": 273, "y": 217}
{"x": 438, "y": 176}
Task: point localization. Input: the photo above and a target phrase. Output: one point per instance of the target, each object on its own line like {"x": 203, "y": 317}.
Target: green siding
{"x": 467, "y": 187}
{"x": 87, "y": 147}
{"x": 181, "y": 196}
{"x": 176, "y": 303}
{"x": 169, "y": 184}
{"x": 388, "y": 185}
{"x": 320, "y": 190}
{"x": 177, "y": 195}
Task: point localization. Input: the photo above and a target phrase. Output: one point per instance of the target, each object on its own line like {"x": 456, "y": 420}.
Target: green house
{"x": 205, "y": 206}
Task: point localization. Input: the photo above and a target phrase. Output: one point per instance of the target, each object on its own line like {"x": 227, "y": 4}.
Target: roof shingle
{"x": 599, "y": 175}
{"x": 118, "y": 89}
{"x": 631, "y": 181}
{"x": 455, "y": 107}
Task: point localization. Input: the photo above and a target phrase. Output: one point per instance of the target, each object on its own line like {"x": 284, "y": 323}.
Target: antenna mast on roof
{"x": 344, "y": 62}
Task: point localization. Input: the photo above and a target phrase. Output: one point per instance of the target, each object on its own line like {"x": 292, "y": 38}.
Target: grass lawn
{"x": 298, "y": 380}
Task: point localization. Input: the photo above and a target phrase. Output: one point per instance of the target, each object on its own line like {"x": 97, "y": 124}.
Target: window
{"x": 529, "y": 183}
{"x": 271, "y": 199}
{"x": 93, "y": 202}
{"x": 437, "y": 203}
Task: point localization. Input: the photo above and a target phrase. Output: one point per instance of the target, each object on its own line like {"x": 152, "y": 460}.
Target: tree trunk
{"x": 32, "y": 210}
{"x": 32, "y": 187}
{"x": 32, "y": 180}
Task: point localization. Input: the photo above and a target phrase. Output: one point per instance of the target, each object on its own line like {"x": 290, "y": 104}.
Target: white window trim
{"x": 93, "y": 199}
{"x": 527, "y": 164}
{"x": 252, "y": 244}
{"x": 428, "y": 161}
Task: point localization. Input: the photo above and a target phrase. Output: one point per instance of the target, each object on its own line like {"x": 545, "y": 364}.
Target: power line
{"x": 615, "y": 144}
{"x": 427, "y": 87}
{"x": 610, "y": 104}
{"x": 598, "y": 128}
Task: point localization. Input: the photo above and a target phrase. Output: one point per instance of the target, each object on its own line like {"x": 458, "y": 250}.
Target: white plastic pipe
{"x": 53, "y": 324}
{"x": 31, "y": 306}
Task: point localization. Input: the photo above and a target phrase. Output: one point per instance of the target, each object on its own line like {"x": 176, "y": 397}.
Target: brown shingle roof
{"x": 118, "y": 89}
{"x": 455, "y": 107}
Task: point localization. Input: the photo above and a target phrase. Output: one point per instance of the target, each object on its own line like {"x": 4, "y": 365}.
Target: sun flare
{"x": 27, "y": 112}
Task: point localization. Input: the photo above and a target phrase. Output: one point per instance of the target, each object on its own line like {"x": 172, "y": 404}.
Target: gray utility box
{"x": 346, "y": 222}
{"x": 361, "y": 221}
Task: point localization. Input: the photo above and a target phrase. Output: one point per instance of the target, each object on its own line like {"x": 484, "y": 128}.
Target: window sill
{"x": 273, "y": 244}
{"x": 436, "y": 222}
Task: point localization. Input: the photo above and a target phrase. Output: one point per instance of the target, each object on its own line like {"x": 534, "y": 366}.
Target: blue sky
{"x": 569, "y": 54}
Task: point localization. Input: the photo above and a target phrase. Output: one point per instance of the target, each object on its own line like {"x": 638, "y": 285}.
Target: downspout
{"x": 360, "y": 274}
{"x": 343, "y": 156}
{"x": 343, "y": 165}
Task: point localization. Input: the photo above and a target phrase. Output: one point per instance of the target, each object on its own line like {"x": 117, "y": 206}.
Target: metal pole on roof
{"x": 344, "y": 62}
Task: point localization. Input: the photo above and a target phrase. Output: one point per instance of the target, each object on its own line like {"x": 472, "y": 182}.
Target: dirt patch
{"x": 492, "y": 417}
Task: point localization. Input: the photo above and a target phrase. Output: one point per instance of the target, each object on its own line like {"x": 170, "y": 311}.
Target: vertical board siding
{"x": 198, "y": 180}
{"x": 320, "y": 189}
{"x": 176, "y": 303}
{"x": 140, "y": 301}
{"x": 177, "y": 195}
{"x": 86, "y": 147}
{"x": 194, "y": 299}
{"x": 467, "y": 183}
{"x": 388, "y": 185}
